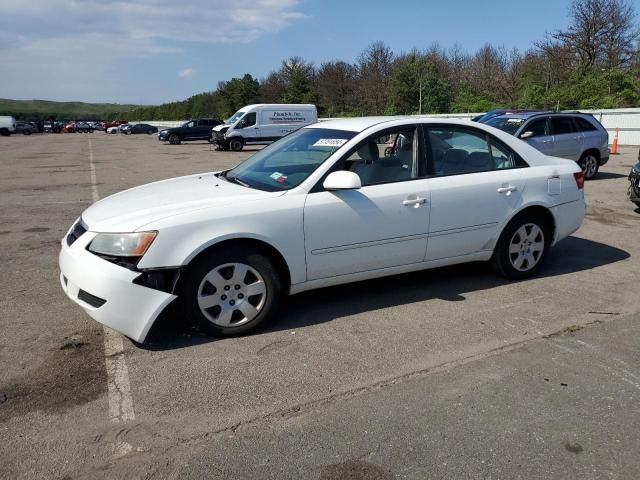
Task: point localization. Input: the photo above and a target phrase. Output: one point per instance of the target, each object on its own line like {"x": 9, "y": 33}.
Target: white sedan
{"x": 332, "y": 203}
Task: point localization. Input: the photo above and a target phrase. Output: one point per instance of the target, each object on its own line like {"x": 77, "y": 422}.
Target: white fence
{"x": 626, "y": 120}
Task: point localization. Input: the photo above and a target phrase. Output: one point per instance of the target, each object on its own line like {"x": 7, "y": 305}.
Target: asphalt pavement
{"x": 448, "y": 373}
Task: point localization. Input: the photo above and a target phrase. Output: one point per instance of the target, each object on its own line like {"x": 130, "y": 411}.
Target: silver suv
{"x": 577, "y": 136}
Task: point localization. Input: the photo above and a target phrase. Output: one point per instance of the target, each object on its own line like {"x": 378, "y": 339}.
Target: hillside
{"x": 41, "y": 109}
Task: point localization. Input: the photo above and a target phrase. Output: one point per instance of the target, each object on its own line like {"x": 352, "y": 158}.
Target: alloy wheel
{"x": 526, "y": 247}
{"x": 589, "y": 166}
{"x": 232, "y": 294}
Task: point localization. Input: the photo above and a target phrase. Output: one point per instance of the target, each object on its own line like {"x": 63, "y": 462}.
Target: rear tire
{"x": 231, "y": 291}
{"x": 589, "y": 163}
{"x": 236, "y": 144}
{"x": 522, "y": 247}
{"x": 174, "y": 139}
{"x": 26, "y": 132}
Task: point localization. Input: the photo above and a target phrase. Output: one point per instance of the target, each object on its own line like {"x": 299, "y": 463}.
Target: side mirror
{"x": 342, "y": 180}
{"x": 527, "y": 134}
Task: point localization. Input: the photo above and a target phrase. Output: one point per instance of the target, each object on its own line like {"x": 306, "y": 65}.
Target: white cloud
{"x": 186, "y": 72}
{"x": 153, "y": 21}
{"x": 67, "y": 48}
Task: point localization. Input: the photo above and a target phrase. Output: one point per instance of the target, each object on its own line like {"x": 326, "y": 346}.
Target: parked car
{"x": 114, "y": 123}
{"x": 83, "y": 127}
{"x": 69, "y": 127}
{"x": 141, "y": 128}
{"x": 577, "y": 136}
{"x": 322, "y": 206}
{"x": 261, "y": 124}
{"x": 122, "y": 128}
{"x": 485, "y": 117}
{"x": 7, "y": 126}
{"x": 634, "y": 184}
{"x": 197, "y": 129}
{"x": 25, "y": 128}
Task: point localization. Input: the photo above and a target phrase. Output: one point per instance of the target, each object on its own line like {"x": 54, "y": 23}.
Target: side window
{"x": 583, "y": 125}
{"x": 561, "y": 125}
{"x": 455, "y": 151}
{"x": 538, "y": 127}
{"x": 248, "y": 120}
{"x": 191, "y": 124}
{"x": 391, "y": 157}
{"x": 502, "y": 157}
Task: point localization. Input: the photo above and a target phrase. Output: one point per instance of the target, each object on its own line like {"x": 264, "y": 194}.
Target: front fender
{"x": 181, "y": 238}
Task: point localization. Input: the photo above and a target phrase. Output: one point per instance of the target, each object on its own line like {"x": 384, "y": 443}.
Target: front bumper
{"x": 106, "y": 291}
{"x": 162, "y": 136}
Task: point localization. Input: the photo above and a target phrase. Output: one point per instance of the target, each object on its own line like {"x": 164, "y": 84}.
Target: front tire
{"x": 522, "y": 247}
{"x": 236, "y": 144}
{"x": 174, "y": 139}
{"x": 231, "y": 291}
{"x": 589, "y": 163}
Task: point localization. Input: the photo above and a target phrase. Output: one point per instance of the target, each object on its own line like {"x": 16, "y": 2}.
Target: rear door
{"x": 567, "y": 142}
{"x": 477, "y": 182}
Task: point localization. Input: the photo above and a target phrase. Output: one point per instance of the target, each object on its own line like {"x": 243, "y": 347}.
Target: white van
{"x": 7, "y": 126}
{"x": 261, "y": 124}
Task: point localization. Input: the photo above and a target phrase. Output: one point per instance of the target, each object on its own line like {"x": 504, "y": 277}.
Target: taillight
{"x": 579, "y": 176}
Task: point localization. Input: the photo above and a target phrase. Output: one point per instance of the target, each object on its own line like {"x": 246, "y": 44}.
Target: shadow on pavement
{"x": 607, "y": 176}
{"x": 448, "y": 283}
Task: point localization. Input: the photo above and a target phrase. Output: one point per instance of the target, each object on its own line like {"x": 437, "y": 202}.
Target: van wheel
{"x": 522, "y": 247}
{"x": 231, "y": 291}
{"x": 174, "y": 139}
{"x": 236, "y": 144}
{"x": 589, "y": 164}
{"x": 4, "y": 132}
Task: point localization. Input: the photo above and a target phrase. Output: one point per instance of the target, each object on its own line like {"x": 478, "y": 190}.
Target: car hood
{"x": 221, "y": 127}
{"x": 135, "y": 208}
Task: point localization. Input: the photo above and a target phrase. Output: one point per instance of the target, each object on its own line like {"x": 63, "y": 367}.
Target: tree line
{"x": 594, "y": 63}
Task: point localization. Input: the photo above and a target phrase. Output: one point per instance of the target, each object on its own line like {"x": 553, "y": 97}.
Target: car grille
{"x": 76, "y": 232}
{"x": 92, "y": 300}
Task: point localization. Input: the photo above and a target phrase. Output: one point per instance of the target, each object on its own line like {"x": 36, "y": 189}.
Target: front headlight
{"x": 122, "y": 244}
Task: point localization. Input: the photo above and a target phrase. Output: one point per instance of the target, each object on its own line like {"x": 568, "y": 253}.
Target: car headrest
{"x": 369, "y": 152}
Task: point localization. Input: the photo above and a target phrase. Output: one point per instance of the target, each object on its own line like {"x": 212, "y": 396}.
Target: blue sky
{"x": 153, "y": 51}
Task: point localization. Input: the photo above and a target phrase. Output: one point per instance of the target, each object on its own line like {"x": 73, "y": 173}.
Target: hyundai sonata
{"x": 334, "y": 202}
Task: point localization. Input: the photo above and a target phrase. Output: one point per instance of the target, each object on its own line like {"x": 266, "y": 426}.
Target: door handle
{"x": 507, "y": 189}
{"x": 414, "y": 201}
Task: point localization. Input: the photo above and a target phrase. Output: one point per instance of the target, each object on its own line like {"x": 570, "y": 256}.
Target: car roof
{"x": 360, "y": 124}
{"x": 527, "y": 115}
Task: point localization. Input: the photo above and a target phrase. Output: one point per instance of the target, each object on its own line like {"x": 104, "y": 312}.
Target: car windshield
{"x": 234, "y": 118}
{"x": 289, "y": 161}
{"x": 508, "y": 124}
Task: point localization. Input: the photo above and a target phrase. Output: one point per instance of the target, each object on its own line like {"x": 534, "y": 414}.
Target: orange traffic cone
{"x": 614, "y": 147}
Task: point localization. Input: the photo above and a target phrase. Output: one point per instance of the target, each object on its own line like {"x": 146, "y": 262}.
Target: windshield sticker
{"x": 330, "y": 142}
{"x": 276, "y": 176}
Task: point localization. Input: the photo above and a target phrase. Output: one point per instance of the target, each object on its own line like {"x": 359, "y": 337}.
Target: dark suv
{"x": 574, "y": 135}
{"x": 197, "y": 129}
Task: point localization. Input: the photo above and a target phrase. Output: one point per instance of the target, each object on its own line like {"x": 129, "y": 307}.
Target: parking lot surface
{"x": 447, "y": 373}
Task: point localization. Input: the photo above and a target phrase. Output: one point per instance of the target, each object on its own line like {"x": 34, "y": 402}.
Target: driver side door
{"x": 384, "y": 223}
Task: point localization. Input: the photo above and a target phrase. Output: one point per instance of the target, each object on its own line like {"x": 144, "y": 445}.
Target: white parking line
{"x": 119, "y": 389}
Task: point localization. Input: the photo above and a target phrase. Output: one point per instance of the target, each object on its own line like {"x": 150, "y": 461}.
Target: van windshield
{"x": 234, "y": 118}
{"x": 285, "y": 164}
